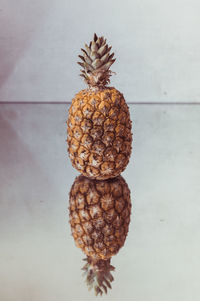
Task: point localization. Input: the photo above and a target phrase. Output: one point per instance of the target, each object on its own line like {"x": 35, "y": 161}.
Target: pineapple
{"x": 99, "y": 126}
{"x": 99, "y": 217}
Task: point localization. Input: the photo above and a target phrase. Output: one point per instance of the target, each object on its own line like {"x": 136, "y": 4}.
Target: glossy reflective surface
{"x": 160, "y": 259}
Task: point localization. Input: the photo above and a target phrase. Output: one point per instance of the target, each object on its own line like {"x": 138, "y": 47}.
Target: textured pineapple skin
{"x": 99, "y": 213}
{"x": 99, "y": 133}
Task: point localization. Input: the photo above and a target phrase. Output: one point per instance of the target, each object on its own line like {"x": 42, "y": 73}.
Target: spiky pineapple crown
{"x": 96, "y": 61}
{"x": 98, "y": 275}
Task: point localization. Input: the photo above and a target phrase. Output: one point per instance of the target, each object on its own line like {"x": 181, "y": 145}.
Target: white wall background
{"x": 157, "y": 45}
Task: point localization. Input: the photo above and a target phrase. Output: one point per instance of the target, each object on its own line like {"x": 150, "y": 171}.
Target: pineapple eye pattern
{"x": 99, "y": 219}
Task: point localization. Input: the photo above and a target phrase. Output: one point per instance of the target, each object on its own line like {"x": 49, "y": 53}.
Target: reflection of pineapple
{"x": 99, "y": 126}
{"x": 99, "y": 217}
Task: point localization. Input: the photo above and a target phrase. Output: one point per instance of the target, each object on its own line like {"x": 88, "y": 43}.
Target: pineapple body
{"x": 99, "y": 133}
{"x": 99, "y": 216}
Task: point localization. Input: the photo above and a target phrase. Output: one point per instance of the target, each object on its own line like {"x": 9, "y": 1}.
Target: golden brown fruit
{"x": 99, "y": 214}
{"x": 99, "y": 126}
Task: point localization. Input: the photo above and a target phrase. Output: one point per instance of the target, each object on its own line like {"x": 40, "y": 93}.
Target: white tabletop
{"x": 160, "y": 259}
